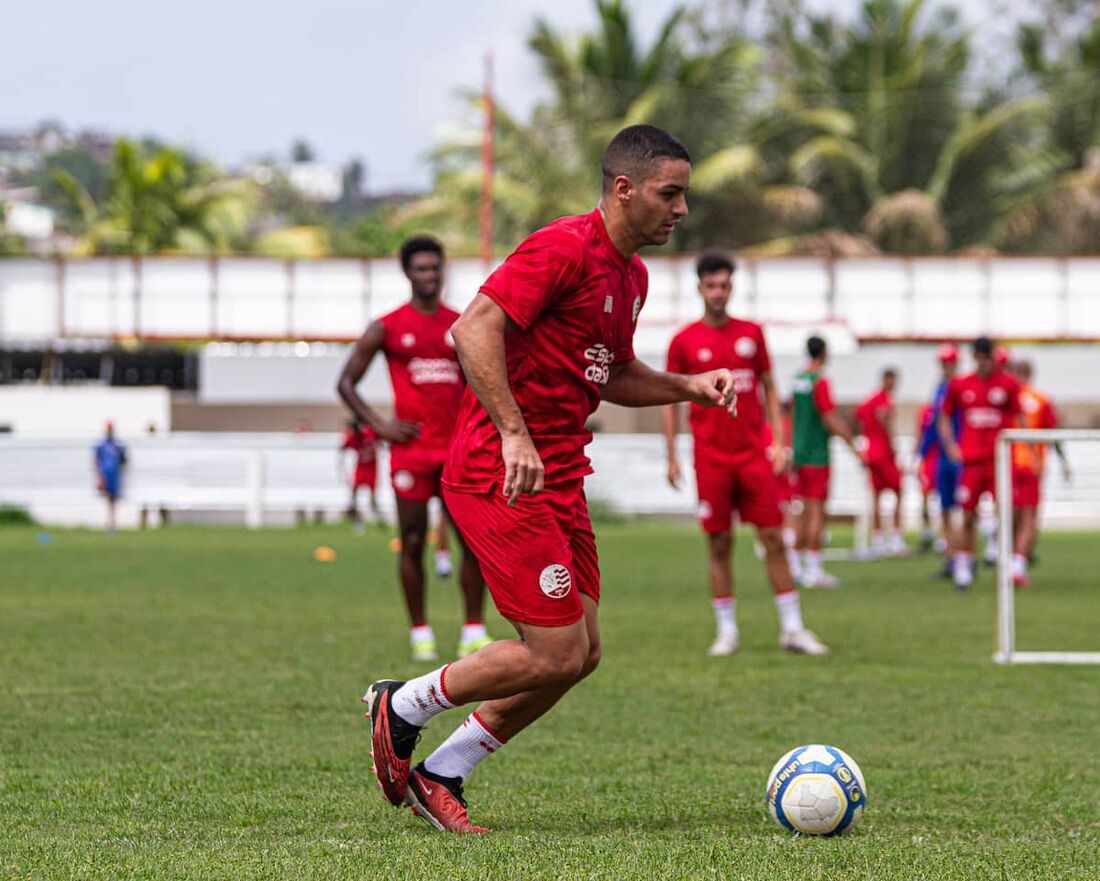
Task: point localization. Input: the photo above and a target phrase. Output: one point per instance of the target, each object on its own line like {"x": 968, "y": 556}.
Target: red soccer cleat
{"x": 392, "y": 741}
{"x": 439, "y": 801}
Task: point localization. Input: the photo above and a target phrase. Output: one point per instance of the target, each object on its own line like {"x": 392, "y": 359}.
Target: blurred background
{"x": 191, "y": 238}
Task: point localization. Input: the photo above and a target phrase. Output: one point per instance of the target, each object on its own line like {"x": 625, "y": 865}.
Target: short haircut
{"x": 419, "y": 245}
{"x": 815, "y": 346}
{"x": 890, "y": 373}
{"x": 634, "y": 148}
{"x": 714, "y": 261}
{"x": 983, "y": 345}
{"x": 1024, "y": 368}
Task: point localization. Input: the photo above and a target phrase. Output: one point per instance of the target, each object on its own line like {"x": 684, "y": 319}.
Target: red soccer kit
{"x": 1028, "y": 460}
{"x": 427, "y": 389}
{"x": 987, "y": 406}
{"x": 881, "y": 461}
{"x": 363, "y": 442}
{"x": 928, "y": 464}
{"x": 732, "y": 470}
{"x": 575, "y": 301}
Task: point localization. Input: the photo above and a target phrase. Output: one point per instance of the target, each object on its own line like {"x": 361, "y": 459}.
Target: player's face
{"x": 425, "y": 274}
{"x": 948, "y": 370}
{"x": 984, "y": 362}
{"x": 659, "y": 202}
{"x": 716, "y": 289}
{"x": 889, "y": 383}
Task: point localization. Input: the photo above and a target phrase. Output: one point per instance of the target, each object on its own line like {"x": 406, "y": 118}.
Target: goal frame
{"x": 1006, "y": 592}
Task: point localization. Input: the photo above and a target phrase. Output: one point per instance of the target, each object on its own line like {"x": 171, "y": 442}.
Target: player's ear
{"x": 623, "y": 187}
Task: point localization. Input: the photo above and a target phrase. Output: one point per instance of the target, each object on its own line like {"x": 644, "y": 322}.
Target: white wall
{"x": 81, "y": 411}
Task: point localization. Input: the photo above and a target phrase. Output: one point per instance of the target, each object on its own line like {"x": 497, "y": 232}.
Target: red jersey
{"x": 575, "y": 300}
{"x": 1036, "y": 411}
{"x": 987, "y": 406}
{"x": 427, "y": 382}
{"x": 739, "y": 346}
{"x": 870, "y": 415}
{"x": 362, "y": 441}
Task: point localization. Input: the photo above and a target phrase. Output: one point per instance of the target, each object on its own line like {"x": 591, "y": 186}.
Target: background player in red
{"x": 362, "y": 443}
{"x": 737, "y": 458}
{"x": 427, "y": 388}
{"x": 876, "y": 423}
{"x": 548, "y": 336}
{"x": 988, "y": 400}
{"x": 1028, "y": 464}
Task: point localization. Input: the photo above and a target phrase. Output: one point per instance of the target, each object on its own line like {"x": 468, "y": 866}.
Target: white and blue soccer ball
{"x": 817, "y": 790}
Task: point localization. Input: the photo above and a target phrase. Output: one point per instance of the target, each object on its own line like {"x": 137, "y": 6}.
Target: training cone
{"x": 324, "y": 554}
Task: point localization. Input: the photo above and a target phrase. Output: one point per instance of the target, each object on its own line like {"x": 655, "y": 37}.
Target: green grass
{"x": 184, "y": 704}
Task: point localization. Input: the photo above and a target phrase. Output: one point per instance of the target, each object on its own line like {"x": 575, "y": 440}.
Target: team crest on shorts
{"x": 555, "y": 581}
{"x": 705, "y": 510}
{"x": 403, "y": 480}
{"x": 745, "y": 347}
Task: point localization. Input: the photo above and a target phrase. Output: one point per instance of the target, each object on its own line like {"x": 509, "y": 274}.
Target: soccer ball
{"x": 817, "y": 790}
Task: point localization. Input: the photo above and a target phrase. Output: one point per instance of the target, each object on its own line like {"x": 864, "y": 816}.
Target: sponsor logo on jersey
{"x": 609, "y": 304}
{"x": 968, "y": 396}
{"x": 408, "y": 340}
{"x": 425, "y": 371}
{"x": 745, "y": 346}
{"x": 744, "y": 380}
{"x": 555, "y": 581}
{"x": 983, "y": 417}
{"x": 635, "y": 309}
{"x": 599, "y": 371}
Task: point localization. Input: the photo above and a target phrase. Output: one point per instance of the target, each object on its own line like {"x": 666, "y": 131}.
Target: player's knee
{"x": 563, "y": 667}
{"x": 592, "y": 660}
{"x": 720, "y": 544}
{"x": 772, "y": 540}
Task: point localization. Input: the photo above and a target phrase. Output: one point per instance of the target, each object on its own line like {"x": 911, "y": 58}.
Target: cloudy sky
{"x": 237, "y": 78}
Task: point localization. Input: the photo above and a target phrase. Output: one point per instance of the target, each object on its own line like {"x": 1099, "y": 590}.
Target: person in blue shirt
{"x": 109, "y": 457}
{"x": 947, "y": 472}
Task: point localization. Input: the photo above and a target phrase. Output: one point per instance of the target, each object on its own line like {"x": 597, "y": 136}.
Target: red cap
{"x": 1000, "y": 356}
{"x": 948, "y": 353}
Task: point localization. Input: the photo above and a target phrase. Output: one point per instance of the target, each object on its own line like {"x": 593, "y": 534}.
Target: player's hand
{"x": 674, "y": 473}
{"x": 954, "y": 453}
{"x": 779, "y": 458}
{"x": 714, "y": 389}
{"x": 397, "y": 431}
{"x": 523, "y": 469}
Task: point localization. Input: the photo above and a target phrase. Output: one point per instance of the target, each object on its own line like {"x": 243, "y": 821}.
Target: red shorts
{"x": 811, "y": 481}
{"x": 927, "y": 475}
{"x": 366, "y": 475}
{"x": 538, "y": 557}
{"x": 885, "y": 476}
{"x": 1025, "y": 488}
{"x": 977, "y": 478}
{"x": 784, "y": 487}
{"x": 749, "y": 487}
{"x": 417, "y": 485}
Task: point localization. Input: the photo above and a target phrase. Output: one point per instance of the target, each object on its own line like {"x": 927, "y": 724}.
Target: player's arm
{"x": 1067, "y": 475}
{"x": 479, "y": 341}
{"x": 636, "y": 384}
{"x": 775, "y": 420}
{"x": 362, "y": 354}
{"x": 834, "y": 424}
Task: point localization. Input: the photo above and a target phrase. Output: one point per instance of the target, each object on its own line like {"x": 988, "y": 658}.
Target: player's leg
{"x": 443, "y": 565}
{"x": 969, "y": 494}
{"x": 815, "y": 491}
{"x": 715, "y": 486}
{"x": 412, "y": 524}
{"x": 878, "y": 539}
{"x": 474, "y": 635}
{"x": 895, "y": 544}
{"x": 1025, "y": 497}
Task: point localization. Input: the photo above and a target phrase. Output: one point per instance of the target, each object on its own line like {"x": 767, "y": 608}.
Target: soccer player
{"x": 925, "y": 467}
{"x": 876, "y": 421}
{"x": 108, "y": 459}
{"x": 549, "y": 335}
{"x": 815, "y": 418}
{"x": 362, "y": 442}
{"x": 987, "y": 400}
{"x": 1028, "y": 463}
{"x": 427, "y": 389}
{"x": 947, "y": 471}
{"x": 736, "y": 459}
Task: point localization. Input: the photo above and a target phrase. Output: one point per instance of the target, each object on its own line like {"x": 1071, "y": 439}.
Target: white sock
{"x": 878, "y": 541}
{"x": 460, "y": 753}
{"x": 420, "y": 632}
{"x": 418, "y": 700}
{"x": 794, "y": 561}
{"x": 812, "y": 562}
{"x": 964, "y": 559}
{"x": 1019, "y": 565}
{"x": 789, "y": 607}
{"x": 472, "y": 630}
{"x": 725, "y": 615}
{"x": 443, "y": 557}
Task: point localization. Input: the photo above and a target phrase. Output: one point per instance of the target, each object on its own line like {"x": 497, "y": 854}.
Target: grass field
{"x": 184, "y": 704}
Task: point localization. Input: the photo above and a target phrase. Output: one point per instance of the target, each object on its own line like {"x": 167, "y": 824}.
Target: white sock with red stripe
{"x": 1019, "y": 566}
{"x": 418, "y": 700}
{"x": 789, "y": 607}
{"x": 459, "y": 754}
{"x": 725, "y": 615}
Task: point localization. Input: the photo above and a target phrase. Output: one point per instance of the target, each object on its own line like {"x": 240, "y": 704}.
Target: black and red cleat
{"x": 439, "y": 801}
{"x": 392, "y": 740}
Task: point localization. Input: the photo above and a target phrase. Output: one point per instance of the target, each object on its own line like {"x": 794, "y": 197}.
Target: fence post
{"x": 254, "y": 483}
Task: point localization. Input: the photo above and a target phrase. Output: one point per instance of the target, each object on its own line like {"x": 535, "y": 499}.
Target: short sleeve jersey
{"x": 870, "y": 415}
{"x": 738, "y": 346}
{"x": 110, "y": 456}
{"x": 574, "y": 300}
{"x": 362, "y": 441}
{"x": 986, "y": 405}
{"x": 811, "y": 399}
{"x": 1036, "y": 411}
{"x": 427, "y": 381}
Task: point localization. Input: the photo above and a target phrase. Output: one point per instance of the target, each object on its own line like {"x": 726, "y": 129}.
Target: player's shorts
{"x": 784, "y": 487}
{"x": 811, "y": 481}
{"x": 977, "y": 478}
{"x": 749, "y": 487}
{"x": 885, "y": 475}
{"x": 926, "y": 476}
{"x": 112, "y": 486}
{"x": 366, "y": 475}
{"x": 947, "y": 483}
{"x": 417, "y": 485}
{"x": 1025, "y": 488}
{"x": 538, "y": 557}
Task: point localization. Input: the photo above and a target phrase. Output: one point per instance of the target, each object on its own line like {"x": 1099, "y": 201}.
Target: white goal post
{"x": 1006, "y": 593}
